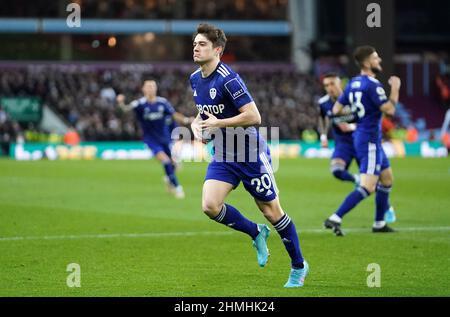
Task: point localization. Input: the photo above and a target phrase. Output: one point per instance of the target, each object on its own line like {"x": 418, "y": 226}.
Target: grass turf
{"x": 61, "y": 212}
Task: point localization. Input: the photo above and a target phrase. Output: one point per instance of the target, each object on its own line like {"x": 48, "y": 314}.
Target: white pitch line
{"x": 117, "y": 235}
{"x": 196, "y": 233}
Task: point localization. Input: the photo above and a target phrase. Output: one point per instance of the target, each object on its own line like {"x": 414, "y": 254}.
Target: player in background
{"x": 368, "y": 102}
{"x": 224, "y": 102}
{"x": 154, "y": 114}
{"x": 344, "y": 152}
{"x": 176, "y": 155}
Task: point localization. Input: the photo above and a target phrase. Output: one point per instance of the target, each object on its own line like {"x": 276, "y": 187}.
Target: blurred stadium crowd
{"x": 86, "y": 100}
{"x": 155, "y": 9}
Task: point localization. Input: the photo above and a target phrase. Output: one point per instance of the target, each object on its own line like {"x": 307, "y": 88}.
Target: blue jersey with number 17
{"x": 365, "y": 95}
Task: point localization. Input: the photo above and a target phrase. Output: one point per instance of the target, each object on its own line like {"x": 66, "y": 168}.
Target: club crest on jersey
{"x": 213, "y": 93}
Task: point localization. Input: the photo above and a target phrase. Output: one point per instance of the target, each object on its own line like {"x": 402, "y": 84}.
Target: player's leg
{"x": 382, "y": 201}
{"x": 162, "y": 154}
{"x": 369, "y": 178}
{"x": 168, "y": 151}
{"x": 358, "y": 163}
{"x": 178, "y": 190}
{"x": 383, "y": 206}
{"x": 285, "y": 227}
{"x": 213, "y": 196}
{"x": 339, "y": 170}
{"x": 175, "y": 153}
{"x": 366, "y": 187}
{"x": 259, "y": 181}
{"x": 170, "y": 177}
{"x": 340, "y": 162}
{"x": 218, "y": 184}
{"x": 288, "y": 233}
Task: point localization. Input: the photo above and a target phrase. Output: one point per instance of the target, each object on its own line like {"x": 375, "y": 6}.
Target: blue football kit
{"x": 343, "y": 148}
{"x": 239, "y": 154}
{"x": 242, "y": 155}
{"x": 155, "y": 119}
{"x": 366, "y": 95}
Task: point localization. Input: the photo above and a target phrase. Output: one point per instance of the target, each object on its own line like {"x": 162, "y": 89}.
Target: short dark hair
{"x": 361, "y": 53}
{"x": 213, "y": 34}
{"x": 330, "y": 75}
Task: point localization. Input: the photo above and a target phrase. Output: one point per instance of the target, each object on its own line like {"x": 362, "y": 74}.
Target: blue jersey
{"x": 365, "y": 95}
{"x": 154, "y": 118}
{"x": 222, "y": 94}
{"x": 171, "y": 123}
{"x": 326, "y": 110}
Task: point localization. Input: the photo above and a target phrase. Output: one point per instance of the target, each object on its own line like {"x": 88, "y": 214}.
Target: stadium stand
{"x": 156, "y": 9}
{"x": 86, "y": 98}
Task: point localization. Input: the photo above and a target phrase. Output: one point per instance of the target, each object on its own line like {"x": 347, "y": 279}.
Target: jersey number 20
{"x": 355, "y": 101}
{"x": 264, "y": 181}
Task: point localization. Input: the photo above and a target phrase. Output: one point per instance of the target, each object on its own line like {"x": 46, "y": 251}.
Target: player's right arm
{"x": 248, "y": 116}
{"x": 196, "y": 128}
{"x": 125, "y": 107}
{"x": 323, "y": 126}
{"x": 338, "y": 107}
{"x": 341, "y": 113}
{"x": 389, "y": 106}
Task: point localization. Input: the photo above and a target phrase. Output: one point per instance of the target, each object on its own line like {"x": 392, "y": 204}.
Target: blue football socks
{"x": 352, "y": 200}
{"x": 286, "y": 229}
{"x": 232, "y": 218}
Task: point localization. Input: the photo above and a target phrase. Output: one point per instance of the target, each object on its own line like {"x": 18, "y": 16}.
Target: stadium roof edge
{"x": 116, "y": 26}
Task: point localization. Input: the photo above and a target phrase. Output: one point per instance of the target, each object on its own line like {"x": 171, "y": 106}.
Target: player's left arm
{"x": 249, "y": 116}
{"x": 323, "y": 125}
{"x": 126, "y": 107}
{"x": 389, "y": 106}
{"x": 182, "y": 119}
{"x": 343, "y": 117}
{"x": 346, "y": 127}
{"x": 341, "y": 113}
{"x": 177, "y": 116}
{"x": 338, "y": 107}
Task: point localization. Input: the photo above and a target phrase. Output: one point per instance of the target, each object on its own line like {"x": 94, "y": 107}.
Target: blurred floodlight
{"x": 149, "y": 37}
{"x": 112, "y": 41}
{"x": 95, "y": 44}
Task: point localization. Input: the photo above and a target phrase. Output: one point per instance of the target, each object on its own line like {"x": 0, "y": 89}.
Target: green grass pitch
{"x": 131, "y": 238}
